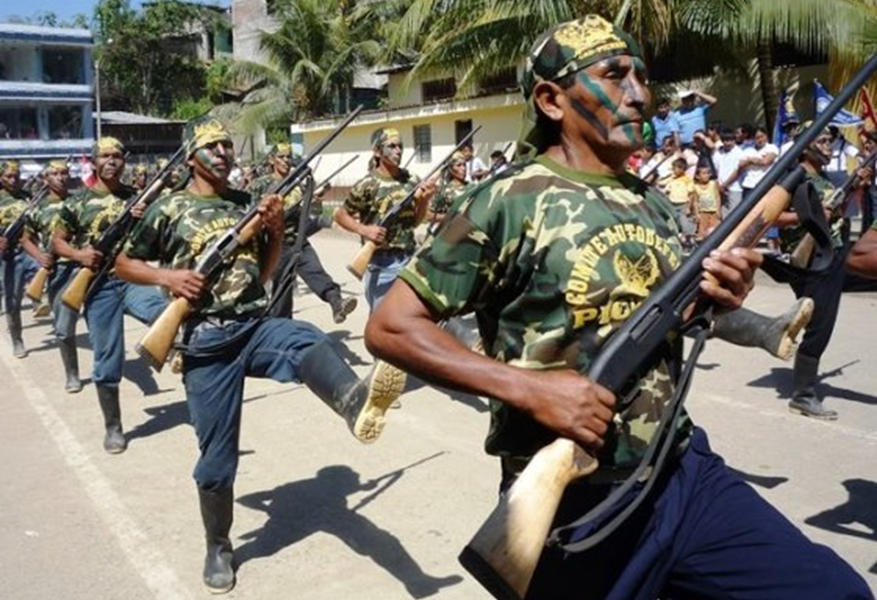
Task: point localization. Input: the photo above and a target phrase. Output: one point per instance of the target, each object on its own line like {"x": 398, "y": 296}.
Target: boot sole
{"x": 73, "y": 389}
{"x": 347, "y": 306}
{"x": 800, "y": 411}
{"x": 219, "y": 590}
{"x": 386, "y": 385}
{"x": 788, "y": 343}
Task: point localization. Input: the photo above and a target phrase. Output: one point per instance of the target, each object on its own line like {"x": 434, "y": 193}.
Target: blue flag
{"x": 822, "y": 98}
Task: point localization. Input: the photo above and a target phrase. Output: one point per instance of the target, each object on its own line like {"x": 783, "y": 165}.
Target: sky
{"x": 65, "y": 9}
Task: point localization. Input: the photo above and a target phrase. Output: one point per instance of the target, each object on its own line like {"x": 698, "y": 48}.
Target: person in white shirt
{"x": 726, "y": 158}
{"x": 475, "y": 167}
{"x": 837, "y": 170}
{"x": 756, "y": 161}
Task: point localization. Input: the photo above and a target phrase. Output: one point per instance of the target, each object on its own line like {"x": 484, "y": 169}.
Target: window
{"x": 62, "y": 66}
{"x": 18, "y": 123}
{"x": 65, "y": 122}
{"x": 502, "y": 81}
{"x": 423, "y": 143}
{"x": 438, "y": 90}
{"x": 462, "y": 129}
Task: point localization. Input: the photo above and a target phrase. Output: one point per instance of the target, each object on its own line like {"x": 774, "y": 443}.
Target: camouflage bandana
{"x": 561, "y": 51}
{"x": 203, "y": 132}
{"x": 140, "y": 169}
{"x": 58, "y": 165}
{"x": 108, "y": 144}
{"x": 9, "y": 166}
{"x": 380, "y": 136}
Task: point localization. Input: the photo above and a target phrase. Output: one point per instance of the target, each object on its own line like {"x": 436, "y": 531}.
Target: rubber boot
{"x": 13, "y": 321}
{"x": 70, "y": 358}
{"x": 776, "y": 335}
{"x": 362, "y": 403}
{"x": 341, "y": 307}
{"x": 805, "y": 401}
{"x": 114, "y": 440}
{"x": 217, "y": 512}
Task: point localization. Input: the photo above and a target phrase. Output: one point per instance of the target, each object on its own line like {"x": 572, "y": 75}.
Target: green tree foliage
{"x": 311, "y": 60}
{"x": 145, "y": 58}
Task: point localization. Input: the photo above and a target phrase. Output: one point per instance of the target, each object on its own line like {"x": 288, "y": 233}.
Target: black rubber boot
{"x": 70, "y": 358}
{"x": 217, "y": 513}
{"x": 341, "y": 307}
{"x": 114, "y": 440}
{"x": 13, "y": 321}
{"x": 805, "y": 401}
{"x": 774, "y": 334}
{"x": 363, "y": 403}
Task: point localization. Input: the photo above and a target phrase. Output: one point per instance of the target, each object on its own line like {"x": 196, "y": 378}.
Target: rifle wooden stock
{"x": 504, "y": 552}
{"x": 74, "y": 293}
{"x": 37, "y": 285}
{"x": 360, "y": 262}
{"x": 156, "y": 345}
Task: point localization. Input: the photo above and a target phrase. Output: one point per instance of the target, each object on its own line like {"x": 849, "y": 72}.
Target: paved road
{"x": 321, "y": 517}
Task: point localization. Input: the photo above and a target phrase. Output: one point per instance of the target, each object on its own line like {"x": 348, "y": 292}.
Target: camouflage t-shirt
{"x": 177, "y": 229}
{"x": 553, "y": 261}
{"x": 11, "y": 207}
{"x": 89, "y": 213}
{"x": 446, "y": 196}
{"x": 374, "y": 195}
{"x": 790, "y": 236}
{"x": 41, "y": 222}
{"x": 291, "y": 208}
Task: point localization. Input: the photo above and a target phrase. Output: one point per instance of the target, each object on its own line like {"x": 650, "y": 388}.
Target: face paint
{"x": 391, "y": 151}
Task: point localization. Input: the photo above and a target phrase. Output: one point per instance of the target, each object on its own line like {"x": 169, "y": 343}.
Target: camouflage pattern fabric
{"x": 177, "y": 229}
{"x": 791, "y": 236}
{"x": 86, "y": 215}
{"x": 11, "y": 207}
{"x": 291, "y": 202}
{"x": 447, "y": 195}
{"x": 41, "y": 222}
{"x": 374, "y": 195}
{"x": 553, "y": 261}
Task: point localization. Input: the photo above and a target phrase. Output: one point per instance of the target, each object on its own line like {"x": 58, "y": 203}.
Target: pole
{"x": 97, "y": 99}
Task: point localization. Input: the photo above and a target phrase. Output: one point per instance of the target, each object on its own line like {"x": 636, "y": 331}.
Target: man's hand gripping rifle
{"x": 360, "y": 262}
{"x": 504, "y": 552}
{"x": 85, "y": 281}
{"x": 159, "y": 339}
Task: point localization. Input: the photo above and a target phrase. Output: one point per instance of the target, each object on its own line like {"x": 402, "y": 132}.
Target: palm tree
{"x": 312, "y": 58}
{"x": 474, "y": 38}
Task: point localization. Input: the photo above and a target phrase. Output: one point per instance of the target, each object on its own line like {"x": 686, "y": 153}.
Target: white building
{"x": 46, "y": 95}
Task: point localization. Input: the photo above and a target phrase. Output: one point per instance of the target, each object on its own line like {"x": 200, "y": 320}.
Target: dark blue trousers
{"x": 214, "y": 383}
{"x": 703, "y": 535}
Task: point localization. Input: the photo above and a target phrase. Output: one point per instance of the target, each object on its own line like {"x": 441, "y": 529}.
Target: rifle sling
{"x": 625, "y": 499}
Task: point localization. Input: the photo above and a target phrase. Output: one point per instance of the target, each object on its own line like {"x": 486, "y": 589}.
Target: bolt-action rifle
{"x": 504, "y": 552}
{"x": 360, "y": 262}
{"x": 109, "y": 244}
{"x": 159, "y": 339}
{"x": 803, "y": 252}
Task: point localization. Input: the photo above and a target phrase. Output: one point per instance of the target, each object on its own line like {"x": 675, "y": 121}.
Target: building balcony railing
{"x": 25, "y": 90}
{"x": 45, "y": 149}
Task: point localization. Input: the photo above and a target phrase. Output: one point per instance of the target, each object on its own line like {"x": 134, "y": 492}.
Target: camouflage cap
{"x": 108, "y": 144}
{"x": 563, "y": 50}
{"x": 140, "y": 169}
{"x": 457, "y": 157}
{"x": 203, "y": 132}
{"x": 282, "y": 149}
{"x": 9, "y": 166}
{"x": 380, "y": 136}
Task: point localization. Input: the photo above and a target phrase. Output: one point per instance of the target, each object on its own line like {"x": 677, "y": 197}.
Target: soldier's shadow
{"x": 164, "y": 418}
{"x": 781, "y": 379}
{"x": 857, "y": 517}
{"x": 140, "y": 374}
{"x": 299, "y": 509}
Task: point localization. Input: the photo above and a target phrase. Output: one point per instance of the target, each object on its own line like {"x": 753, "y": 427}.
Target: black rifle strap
{"x": 624, "y": 500}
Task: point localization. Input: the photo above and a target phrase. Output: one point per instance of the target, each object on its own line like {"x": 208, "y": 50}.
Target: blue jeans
{"x": 104, "y": 314}
{"x": 382, "y": 271}
{"x": 214, "y": 380}
{"x": 703, "y": 534}
{"x": 65, "y": 318}
{"x": 17, "y": 271}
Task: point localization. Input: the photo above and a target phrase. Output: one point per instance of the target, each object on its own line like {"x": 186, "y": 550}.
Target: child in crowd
{"x": 708, "y": 199}
{"x": 680, "y": 190}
